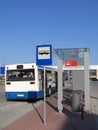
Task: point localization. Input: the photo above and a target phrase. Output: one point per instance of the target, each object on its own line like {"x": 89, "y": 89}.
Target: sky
{"x": 25, "y": 24}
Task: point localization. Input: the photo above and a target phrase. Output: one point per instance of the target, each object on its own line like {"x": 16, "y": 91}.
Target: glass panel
{"x": 71, "y": 54}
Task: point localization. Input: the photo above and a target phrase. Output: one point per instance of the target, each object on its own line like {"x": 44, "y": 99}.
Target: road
{"x": 12, "y": 110}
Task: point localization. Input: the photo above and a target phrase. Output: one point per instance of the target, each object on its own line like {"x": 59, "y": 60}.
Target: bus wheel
{"x": 49, "y": 91}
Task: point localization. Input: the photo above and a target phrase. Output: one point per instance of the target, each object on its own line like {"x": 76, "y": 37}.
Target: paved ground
{"x": 10, "y": 111}
{"x": 67, "y": 120}
{"x": 33, "y": 119}
{"x": 95, "y": 110}
{"x": 94, "y": 100}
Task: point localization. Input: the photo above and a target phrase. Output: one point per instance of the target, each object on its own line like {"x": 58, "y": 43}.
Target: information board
{"x": 44, "y": 55}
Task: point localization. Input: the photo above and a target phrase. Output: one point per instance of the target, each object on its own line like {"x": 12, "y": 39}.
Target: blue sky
{"x": 24, "y": 24}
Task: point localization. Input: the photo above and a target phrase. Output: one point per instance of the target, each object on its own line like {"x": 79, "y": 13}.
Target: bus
{"x": 26, "y": 81}
{"x": 93, "y": 71}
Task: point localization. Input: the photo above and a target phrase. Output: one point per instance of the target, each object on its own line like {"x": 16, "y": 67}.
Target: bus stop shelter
{"x": 74, "y": 57}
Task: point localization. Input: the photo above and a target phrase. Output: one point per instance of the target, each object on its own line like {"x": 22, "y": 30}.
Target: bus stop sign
{"x": 44, "y": 55}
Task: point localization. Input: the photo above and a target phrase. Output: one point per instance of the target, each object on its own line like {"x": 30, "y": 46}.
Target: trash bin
{"x": 76, "y": 100}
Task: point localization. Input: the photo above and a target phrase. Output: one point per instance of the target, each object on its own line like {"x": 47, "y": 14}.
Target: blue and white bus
{"x": 26, "y": 81}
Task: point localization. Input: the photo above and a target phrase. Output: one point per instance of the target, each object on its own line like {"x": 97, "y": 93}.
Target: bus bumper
{"x": 24, "y": 95}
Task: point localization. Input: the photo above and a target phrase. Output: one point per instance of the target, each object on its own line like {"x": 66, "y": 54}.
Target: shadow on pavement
{"x": 75, "y": 123}
{"x": 74, "y": 120}
{"x": 38, "y": 113}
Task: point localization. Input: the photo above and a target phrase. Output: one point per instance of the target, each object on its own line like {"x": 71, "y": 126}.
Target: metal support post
{"x": 60, "y": 87}
{"x": 86, "y": 80}
{"x": 44, "y": 96}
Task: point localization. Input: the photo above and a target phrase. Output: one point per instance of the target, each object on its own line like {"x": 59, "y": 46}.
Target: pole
{"x": 60, "y": 87}
{"x": 44, "y": 97}
{"x": 86, "y": 80}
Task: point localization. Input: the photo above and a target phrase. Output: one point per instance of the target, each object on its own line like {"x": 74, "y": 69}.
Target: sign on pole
{"x": 44, "y": 57}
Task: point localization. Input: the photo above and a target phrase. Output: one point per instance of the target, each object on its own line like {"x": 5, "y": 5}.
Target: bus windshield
{"x": 20, "y": 75}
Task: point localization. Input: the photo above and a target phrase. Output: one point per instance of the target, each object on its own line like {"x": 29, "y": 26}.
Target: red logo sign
{"x": 71, "y": 63}
{"x": 68, "y": 63}
{"x": 74, "y": 63}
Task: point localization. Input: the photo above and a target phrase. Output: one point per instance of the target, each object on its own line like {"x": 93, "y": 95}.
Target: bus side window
{"x": 40, "y": 74}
